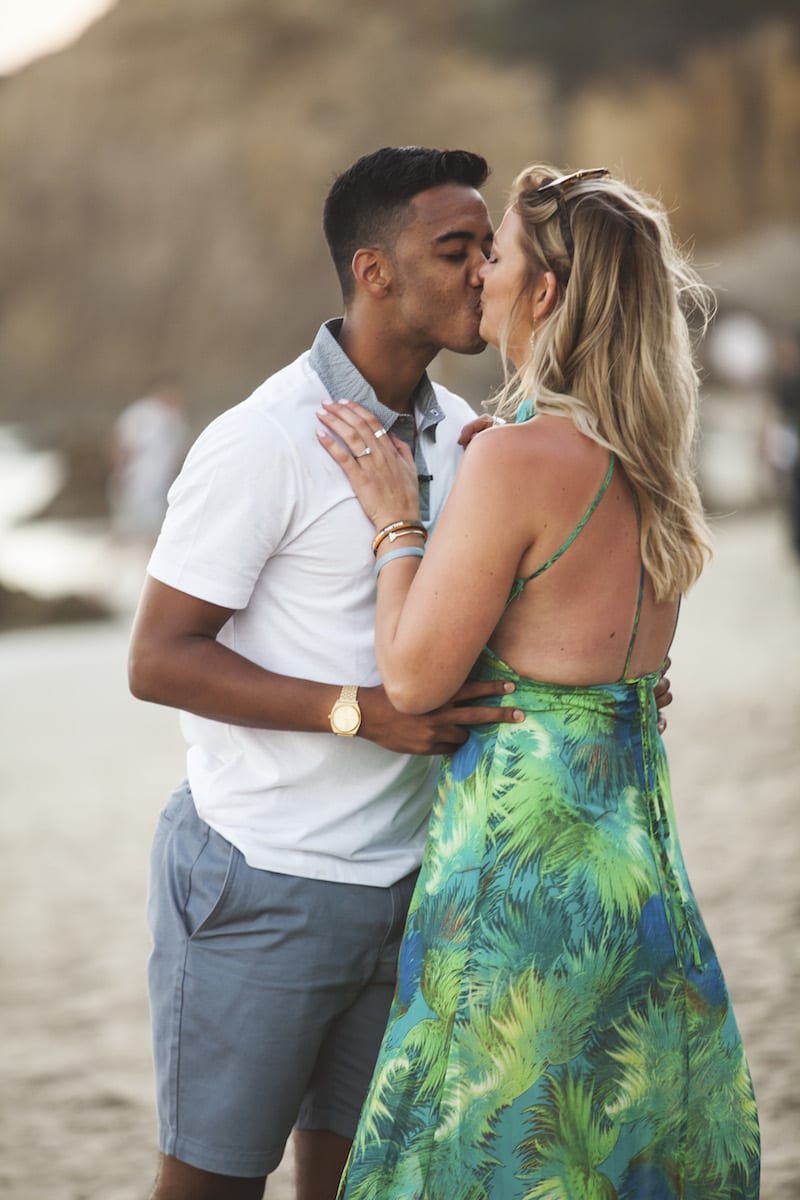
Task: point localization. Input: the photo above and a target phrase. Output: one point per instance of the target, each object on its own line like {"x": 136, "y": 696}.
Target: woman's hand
{"x": 379, "y": 466}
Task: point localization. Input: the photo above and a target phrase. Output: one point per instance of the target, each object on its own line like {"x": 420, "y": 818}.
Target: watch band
{"x": 345, "y": 716}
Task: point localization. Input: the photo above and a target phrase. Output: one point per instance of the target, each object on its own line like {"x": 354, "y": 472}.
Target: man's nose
{"x": 476, "y": 273}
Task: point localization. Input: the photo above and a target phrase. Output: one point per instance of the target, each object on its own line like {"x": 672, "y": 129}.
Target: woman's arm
{"x": 176, "y": 660}
{"x": 435, "y": 614}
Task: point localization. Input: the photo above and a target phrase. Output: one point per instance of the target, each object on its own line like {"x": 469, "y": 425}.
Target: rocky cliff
{"x": 163, "y": 178}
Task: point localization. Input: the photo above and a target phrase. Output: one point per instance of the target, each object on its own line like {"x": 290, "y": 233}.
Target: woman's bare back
{"x": 573, "y": 623}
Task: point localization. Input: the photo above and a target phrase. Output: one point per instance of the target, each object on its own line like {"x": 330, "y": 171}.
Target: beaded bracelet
{"x": 403, "y": 552}
{"x": 395, "y": 530}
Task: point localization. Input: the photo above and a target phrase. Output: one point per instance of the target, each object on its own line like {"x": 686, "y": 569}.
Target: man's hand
{"x": 477, "y": 426}
{"x": 439, "y": 732}
{"x": 663, "y": 695}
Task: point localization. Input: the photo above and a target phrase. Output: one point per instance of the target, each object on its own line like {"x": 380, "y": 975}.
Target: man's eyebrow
{"x": 455, "y": 235}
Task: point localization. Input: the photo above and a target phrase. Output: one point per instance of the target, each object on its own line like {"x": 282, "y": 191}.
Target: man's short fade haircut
{"x": 368, "y": 203}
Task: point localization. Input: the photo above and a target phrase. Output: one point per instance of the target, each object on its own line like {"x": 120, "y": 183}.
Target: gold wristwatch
{"x": 345, "y": 716}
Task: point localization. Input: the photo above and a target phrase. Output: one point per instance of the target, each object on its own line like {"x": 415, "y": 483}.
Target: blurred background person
{"x": 782, "y": 433}
{"x": 736, "y": 406}
{"x": 148, "y": 443}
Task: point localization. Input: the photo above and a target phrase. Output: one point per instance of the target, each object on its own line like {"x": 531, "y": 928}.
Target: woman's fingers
{"x": 340, "y": 453}
{"x": 383, "y": 479}
{"x": 360, "y": 431}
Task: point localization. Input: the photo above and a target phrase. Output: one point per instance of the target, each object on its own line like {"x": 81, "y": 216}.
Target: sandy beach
{"x": 84, "y": 770}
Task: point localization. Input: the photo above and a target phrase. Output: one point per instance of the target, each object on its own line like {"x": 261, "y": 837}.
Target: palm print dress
{"x": 561, "y": 1029}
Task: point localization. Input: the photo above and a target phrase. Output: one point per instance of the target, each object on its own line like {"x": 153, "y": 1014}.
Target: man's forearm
{"x": 202, "y": 676}
{"x": 176, "y": 660}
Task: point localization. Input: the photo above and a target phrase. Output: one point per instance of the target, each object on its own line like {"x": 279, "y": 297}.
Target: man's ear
{"x": 372, "y": 271}
{"x": 545, "y": 293}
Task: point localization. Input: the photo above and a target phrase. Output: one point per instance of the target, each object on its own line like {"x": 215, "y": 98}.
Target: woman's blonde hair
{"x": 615, "y": 352}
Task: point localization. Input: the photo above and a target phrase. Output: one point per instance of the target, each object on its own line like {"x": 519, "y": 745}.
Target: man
{"x": 276, "y": 911}
{"x": 282, "y": 870}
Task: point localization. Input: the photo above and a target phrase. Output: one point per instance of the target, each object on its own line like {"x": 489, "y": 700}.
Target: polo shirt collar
{"x": 342, "y": 380}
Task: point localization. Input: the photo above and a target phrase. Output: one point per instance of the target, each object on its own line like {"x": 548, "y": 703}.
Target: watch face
{"x": 347, "y": 717}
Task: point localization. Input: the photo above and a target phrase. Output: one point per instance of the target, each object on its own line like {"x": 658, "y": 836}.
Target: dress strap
{"x": 519, "y": 583}
{"x": 640, "y": 598}
{"x": 635, "y": 629}
{"x": 674, "y": 631}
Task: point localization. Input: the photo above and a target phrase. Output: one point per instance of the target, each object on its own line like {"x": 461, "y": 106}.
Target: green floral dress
{"x": 561, "y": 1029}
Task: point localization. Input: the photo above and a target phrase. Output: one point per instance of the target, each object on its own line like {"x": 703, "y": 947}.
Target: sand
{"x": 84, "y": 770}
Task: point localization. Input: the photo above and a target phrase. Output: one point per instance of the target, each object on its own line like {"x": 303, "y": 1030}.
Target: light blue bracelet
{"x": 403, "y": 552}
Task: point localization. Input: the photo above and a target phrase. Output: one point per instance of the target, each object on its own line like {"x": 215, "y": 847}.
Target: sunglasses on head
{"x": 557, "y": 188}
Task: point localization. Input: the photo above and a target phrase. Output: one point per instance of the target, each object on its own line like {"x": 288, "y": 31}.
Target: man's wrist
{"x": 345, "y": 716}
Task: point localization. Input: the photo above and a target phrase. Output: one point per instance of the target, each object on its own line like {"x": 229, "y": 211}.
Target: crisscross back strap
{"x": 519, "y": 583}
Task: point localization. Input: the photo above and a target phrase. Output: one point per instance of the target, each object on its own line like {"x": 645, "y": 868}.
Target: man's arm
{"x": 175, "y": 660}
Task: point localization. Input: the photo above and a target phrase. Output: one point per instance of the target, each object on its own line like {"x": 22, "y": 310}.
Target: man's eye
{"x": 460, "y": 257}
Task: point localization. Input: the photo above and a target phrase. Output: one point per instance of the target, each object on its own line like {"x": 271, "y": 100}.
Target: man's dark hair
{"x": 368, "y": 203}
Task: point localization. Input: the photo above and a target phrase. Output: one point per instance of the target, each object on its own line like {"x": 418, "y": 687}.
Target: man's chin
{"x": 475, "y": 345}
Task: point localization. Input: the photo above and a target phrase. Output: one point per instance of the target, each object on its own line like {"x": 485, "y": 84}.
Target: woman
{"x": 561, "y": 1028}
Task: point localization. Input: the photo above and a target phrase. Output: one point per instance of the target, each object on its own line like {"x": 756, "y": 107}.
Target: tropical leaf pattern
{"x": 561, "y": 1029}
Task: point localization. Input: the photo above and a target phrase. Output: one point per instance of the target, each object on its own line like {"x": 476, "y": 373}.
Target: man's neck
{"x": 391, "y": 370}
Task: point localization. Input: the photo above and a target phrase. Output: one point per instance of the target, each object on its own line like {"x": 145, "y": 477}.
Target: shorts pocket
{"x": 193, "y": 867}
{"x": 211, "y": 882}
{"x": 177, "y": 803}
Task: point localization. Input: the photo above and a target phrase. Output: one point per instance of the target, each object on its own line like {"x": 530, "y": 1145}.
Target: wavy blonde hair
{"x": 615, "y": 352}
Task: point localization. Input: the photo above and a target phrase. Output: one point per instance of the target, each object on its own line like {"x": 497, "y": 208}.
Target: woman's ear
{"x": 371, "y": 271}
{"x": 545, "y": 293}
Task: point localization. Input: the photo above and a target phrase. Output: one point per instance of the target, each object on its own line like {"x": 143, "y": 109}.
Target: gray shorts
{"x": 269, "y": 995}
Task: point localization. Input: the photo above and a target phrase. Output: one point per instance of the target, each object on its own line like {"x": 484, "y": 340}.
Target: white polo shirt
{"x": 262, "y": 521}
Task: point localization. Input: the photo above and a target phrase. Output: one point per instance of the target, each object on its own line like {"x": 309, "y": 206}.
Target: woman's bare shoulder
{"x": 542, "y": 449}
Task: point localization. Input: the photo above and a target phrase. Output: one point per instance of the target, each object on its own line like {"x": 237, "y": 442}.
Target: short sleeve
{"x": 229, "y": 509}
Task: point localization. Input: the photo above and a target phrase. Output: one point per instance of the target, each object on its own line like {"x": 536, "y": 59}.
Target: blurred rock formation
{"x": 163, "y": 179}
